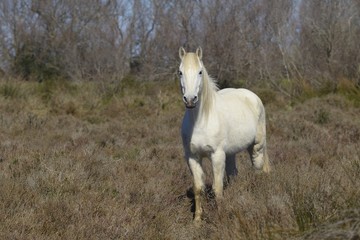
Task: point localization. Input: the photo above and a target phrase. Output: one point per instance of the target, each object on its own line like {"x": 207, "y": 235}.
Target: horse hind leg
{"x": 230, "y": 167}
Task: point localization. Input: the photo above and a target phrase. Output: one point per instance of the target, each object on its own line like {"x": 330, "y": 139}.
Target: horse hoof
{"x": 197, "y": 218}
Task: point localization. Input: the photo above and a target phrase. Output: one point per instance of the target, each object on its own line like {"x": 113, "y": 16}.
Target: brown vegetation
{"x": 93, "y": 161}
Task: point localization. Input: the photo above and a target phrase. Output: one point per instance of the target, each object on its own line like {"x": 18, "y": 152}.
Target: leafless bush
{"x": 285, "y": 45}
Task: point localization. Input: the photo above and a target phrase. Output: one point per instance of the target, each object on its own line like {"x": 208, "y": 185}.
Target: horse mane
{"x": 209, "y": 89}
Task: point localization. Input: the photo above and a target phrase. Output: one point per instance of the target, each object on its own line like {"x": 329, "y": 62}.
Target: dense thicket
{"x": 283, "y": 44}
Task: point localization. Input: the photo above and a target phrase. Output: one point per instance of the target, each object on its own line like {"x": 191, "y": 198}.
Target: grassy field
{"x": 100, "y": 161}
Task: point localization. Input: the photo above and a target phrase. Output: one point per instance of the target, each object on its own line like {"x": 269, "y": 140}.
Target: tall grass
{"x": 89, "y": 161}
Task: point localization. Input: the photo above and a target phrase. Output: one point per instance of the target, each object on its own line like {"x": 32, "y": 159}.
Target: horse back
{"x": 240, "y": 99}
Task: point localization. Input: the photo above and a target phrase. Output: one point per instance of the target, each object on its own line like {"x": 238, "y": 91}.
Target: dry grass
{"x": 93, "y": 161}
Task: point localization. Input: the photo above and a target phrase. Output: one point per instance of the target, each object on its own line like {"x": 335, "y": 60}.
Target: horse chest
{"x": 204, "y": 141}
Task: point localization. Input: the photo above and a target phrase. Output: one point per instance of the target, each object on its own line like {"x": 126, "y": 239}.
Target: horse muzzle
{"x": 192, "y": 105}
{"x": 190, "y": 102}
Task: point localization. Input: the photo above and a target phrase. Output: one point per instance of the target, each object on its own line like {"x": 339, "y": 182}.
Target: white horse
{"x": 218, "y": 124}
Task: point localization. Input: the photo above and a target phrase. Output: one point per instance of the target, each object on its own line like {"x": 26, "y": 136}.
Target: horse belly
{"x": 238, "y": 141}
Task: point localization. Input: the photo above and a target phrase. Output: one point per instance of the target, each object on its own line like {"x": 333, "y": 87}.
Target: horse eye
{"x": 200, "y": 73}
{"x": 180, "y": 73}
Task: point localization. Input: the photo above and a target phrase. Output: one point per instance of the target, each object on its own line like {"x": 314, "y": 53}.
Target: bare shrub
{"x": 298, "y": 48}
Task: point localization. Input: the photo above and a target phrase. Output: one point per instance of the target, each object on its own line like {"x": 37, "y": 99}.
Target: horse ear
{"x": 182, "y": 52}
{"x": 199, "y": 52}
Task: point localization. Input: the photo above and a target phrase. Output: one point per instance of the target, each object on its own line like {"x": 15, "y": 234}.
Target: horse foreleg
{"x": 198, "y": 174}
{"x": 218, "y": 164}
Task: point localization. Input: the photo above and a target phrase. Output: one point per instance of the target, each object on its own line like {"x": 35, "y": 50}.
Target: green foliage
{"x": 305, "y": 91}
{"x": 9, "y": 90}
{"x": 46, "y": 89}
{"x": 34, "y": 62}
{"x": 322, "y": 116}
{"x": 305, "y": 216}
{"x": 126, "y": 86}
{"x": 240, "y": 83}
{"x": 344, "y": 87}
{"x": 95, "y": 119}
{"x": 138, "y": 102}
{"x": 350, "y": 90}
{"x": 128, "y": 82}
{"x": 108, "y": 91}
{"x": 267, "y": 96}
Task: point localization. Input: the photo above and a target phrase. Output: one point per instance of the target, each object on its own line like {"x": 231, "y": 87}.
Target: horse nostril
{"x": 195, "y": 99}
{"x": 185, "y": 99}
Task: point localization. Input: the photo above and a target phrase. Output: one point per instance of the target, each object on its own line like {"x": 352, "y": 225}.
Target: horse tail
{"x": 258, "y": 152}
{"x": 266, "y": 162}
{"x": 266, "y": 167}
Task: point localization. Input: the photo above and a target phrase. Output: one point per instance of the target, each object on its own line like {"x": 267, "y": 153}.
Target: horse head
{"x": 191, "y": 76}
